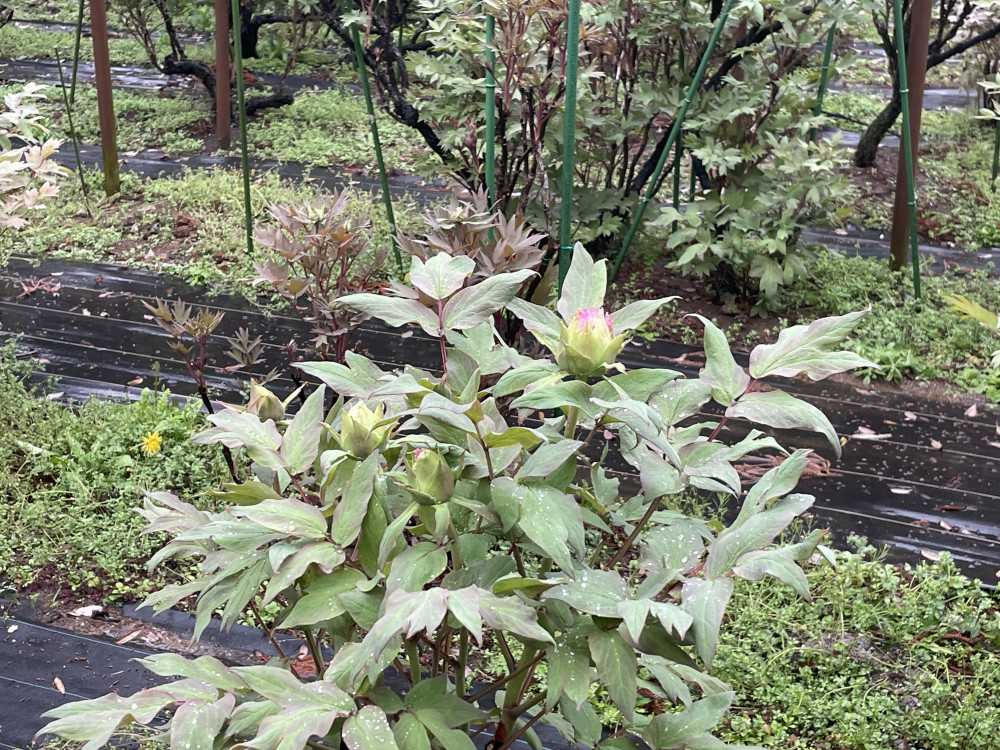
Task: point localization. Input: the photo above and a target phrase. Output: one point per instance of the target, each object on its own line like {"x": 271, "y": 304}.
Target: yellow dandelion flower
{"x": 152, "y": 442}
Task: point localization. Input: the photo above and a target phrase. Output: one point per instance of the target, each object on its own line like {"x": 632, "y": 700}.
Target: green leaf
{"x": 434, "y": 693}
{"x": 754, "y": 533}
{"x": 617, "y": 667}
{"x": 726, "y": 378}
{"x": 778, "y": 409}
{"x": 351, "y": 382}
{"x": 585, "y": 284}
{"x": 206, "y": 668}
{"x": 300, "y": 444}
{"x": 394, "y": 311}
{"x": 677, "y": 730}
{"x": 463, "y": 604}
{"x": 705, "y": 600}
{"x": 475, "y": 304}
{"x": 323, "y": 555}
{"x": 777, "y": 482}
{"x": 450, "y": 739}
{"x": 639, "y": 384}
{"x": 441, "y": 275}
{"x": 542, "y": 322}
{"x": 635, "y": 314}
{"x": 680, "y": 399}
{"x": 585, "y": 722}
{"x": 321, "y": 602}
{"x": 557, "y": 396}
{"x": 291, "y": 517}
{"x": 416, "y": 566}
{"x": 510, "y": 615}
{"x": 95, "y": 721}
{"x": 350, "y": 511}
{"x": 570, "y": 673}
{"x": 369, "y": 730}
{"x": 195, "y": 725}
{"x": 552, "y": 520}
{"x": 393, "y": 533}
{"x": 595, "y": 592}
{"x": 809, "y": 349}
{"x": 547, "y": 458}
{"x": 410, "y": 733}
{"x": 245, "y": 430}
{"x": 248, "y": 493}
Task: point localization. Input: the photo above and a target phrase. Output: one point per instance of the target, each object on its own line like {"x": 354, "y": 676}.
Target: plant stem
{"x": 267, "y": 631}
{"x": 635, "y": 533}
{"x": 72, "y": 134}
{"x": 572, "y": 415}
{"x": 569, "y": 139}
{"x": 314, "y": 650}
{"x": 413, "y": 656}
{"x": 463, "y": 660}
{"x": 508, "y": 716}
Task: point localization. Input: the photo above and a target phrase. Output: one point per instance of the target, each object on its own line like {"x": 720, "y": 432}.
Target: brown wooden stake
{"x": 105, "y": 103}
{"x": 223, "y": 125}
{"x": 916, "y": 75}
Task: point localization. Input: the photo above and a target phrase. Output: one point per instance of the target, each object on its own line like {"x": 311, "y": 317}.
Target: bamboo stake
{"x": 675, "y": 130}
{"x": 678, "y": 153}
{"x": 359, "y": 59}
{"x": 569, "y": 140}
{"x": 919, "y": 30}
{"x": 241, "y": 107}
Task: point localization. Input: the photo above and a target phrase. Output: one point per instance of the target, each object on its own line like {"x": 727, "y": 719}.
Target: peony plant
{"x": 497, "y": 507}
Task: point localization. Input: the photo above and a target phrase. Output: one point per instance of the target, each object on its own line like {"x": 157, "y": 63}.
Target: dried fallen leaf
{"x": 910, "y": 416}
{"x": 900, "y": 490}
{"x": 864, "y": 433}
{"x": 936, "y": 444}
{"x": 130, "y": 637}
{"x": 12, "y": 628}
{"x": 85, "y": 312}
{"x": 945, "y": 525}
{"x": 952, "y": 508}
{"x": 993, "y": 443}
{"x": 134, "y": 381}
{"x": 59, "y": 685}
{"x": 930, "y": 555}
{"x": 88, "y": 611}
{"x": 972, "y": 411}
{"x": 55, "y": 396}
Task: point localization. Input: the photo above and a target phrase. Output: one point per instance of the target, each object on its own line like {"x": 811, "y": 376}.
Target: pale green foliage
{"x": 27, "y": 175}
{"x": 428, "y": 518}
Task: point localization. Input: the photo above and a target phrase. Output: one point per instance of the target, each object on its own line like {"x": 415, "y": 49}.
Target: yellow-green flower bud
{"x": 431, "y": 479}
{"x": 264, "y": 404}
{"x": 360, "y": 434}
{"x": 588, "y": 345}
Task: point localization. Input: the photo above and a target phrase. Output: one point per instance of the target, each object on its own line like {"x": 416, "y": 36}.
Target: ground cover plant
{"x": 350, "y": 516}
{"x": 71, "y": 477}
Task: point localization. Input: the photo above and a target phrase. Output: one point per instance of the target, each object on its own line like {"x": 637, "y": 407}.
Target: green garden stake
{"x": 76, "y": 52}
{"x": 823, "y": 74}
{"x": 904, "y": 92}
{"x": 678, "y": 153}
{"x": 672, "y": 137}
{"x": 359, "y": 60}
{"x": 996, "y": 155}
{"x": 72, "y": 135}
{"x": 569, "y": 140}
{"x": 241, "y": 107}
{"x": 491, "y": 113}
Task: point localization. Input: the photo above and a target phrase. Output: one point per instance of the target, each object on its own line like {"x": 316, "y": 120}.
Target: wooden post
{"x": 105, "y": 103}
{"x": 223, "y": 124}
{"x": 916, "y": 75}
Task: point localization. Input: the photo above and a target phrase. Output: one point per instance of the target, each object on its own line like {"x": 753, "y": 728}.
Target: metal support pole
{"x": 223, "y": 118}
{"x": 912, "y": 68}
{"x": 105, "y": 101}
{"x": 823, "y": 75}
{"x": 996, "y": 156}
{"x": 675, "y": 131}
{"x": 242, "y": 110}
{"x": 569, "y": 140}
{"x": 359, "y": 60}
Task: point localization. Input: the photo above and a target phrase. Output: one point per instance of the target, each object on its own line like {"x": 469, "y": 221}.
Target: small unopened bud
{"x": 264, "y": 404}
{"x": 431, "y": 480}
{"x": 588, "y": 345}
{"x": 360, "y": 434}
